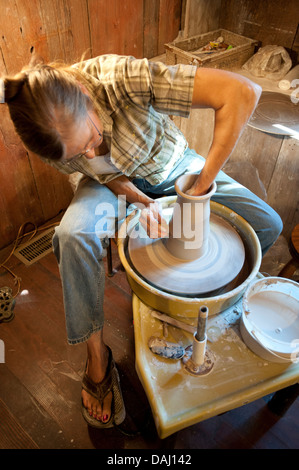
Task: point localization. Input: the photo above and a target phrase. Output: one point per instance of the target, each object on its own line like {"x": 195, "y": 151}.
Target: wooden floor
{"x": 40, "y": 381}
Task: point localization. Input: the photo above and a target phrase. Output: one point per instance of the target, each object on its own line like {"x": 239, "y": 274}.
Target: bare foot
{"x": 96, "y": 370}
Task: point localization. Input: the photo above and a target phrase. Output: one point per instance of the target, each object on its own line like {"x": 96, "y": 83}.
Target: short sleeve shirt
{"x": 134, "y": 98}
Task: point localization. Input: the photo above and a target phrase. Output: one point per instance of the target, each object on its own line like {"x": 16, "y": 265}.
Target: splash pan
{"x": 186, "y": 307}
{"x": 270, "y": 319}
{"x": 221, "y": 262}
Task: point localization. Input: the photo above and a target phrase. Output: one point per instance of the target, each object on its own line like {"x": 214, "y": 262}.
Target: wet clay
{"x": 189, "y": 227}
{"x": 203, "y": 252}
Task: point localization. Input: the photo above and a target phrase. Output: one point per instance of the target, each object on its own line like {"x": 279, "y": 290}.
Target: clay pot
{"x": 189, "y": 227}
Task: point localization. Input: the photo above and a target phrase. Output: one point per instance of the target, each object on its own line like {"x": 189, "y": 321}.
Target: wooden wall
{"x": 269, "y": 21}
{"x": 65, "y": 30}
{"x": 265, "y": 163}
{"x": 275, "y": 158}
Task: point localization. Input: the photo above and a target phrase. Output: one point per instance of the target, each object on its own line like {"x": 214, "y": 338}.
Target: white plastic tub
{"x": 270, "y": 319}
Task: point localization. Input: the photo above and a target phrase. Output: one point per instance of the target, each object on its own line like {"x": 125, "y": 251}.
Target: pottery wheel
{"x": 219, "y": 265}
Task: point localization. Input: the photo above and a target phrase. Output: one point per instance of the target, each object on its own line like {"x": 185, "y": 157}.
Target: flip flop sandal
{"x": 110, "y": 383}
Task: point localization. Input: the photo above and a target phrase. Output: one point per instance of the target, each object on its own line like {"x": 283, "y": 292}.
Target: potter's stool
{"x": 110, "y": 271}
{"x": 293, "y": 264}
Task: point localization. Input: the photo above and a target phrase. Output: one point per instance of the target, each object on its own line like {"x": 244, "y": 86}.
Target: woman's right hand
{"x": 152, "y": 221}
{"x": 151, "y": 217}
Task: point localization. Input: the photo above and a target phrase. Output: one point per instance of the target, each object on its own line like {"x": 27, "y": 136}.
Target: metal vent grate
{"x": 36, "y": 248}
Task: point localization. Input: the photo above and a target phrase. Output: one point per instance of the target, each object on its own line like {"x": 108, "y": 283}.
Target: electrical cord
{"x": 19, "y": 238}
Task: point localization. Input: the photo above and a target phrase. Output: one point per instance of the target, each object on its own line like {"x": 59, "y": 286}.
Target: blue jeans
{"x": 81, "y": 239}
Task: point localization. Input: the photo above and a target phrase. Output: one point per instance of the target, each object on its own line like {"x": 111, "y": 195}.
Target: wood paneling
{"x": 151, "y": 28}
{"x": 168, "y": 29}
{"x": 19, "y": 200}
{"x": 283, "y": 190}
{"x": 116, "y": 27}
{"x": 32, "y": 191}
{"x": 65, "y": 30}
{"x": 267, "y": 21}
{"x": 200, "y": 17}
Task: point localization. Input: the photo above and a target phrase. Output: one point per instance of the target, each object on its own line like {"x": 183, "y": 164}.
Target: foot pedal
{"x": 7, "y": 303}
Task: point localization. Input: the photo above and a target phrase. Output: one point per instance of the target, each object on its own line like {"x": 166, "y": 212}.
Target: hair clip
{"x": 2, "y": 91}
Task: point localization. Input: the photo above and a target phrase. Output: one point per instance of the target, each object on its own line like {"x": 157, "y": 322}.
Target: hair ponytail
{"x": 13, "y": 86}
{"x": 35, "y": 98}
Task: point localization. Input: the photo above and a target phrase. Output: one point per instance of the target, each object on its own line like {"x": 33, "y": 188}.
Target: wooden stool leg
{"x": 111, "y": 272}
{"x": 289, "y": 269}
{"x": 293, "y": 264}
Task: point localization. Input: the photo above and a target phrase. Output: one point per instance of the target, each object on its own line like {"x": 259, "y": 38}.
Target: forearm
{"x": 234, "y": 99}
{"x": 122, "y": 186}
{"x": 229, "y": 125}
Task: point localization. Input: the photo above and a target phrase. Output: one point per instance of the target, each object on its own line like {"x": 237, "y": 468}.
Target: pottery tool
{"x": 166, "y": 349}
{"x": 172, "y": 321}
{"x": 161, "y": 346}
{"x": 178, "y": 324}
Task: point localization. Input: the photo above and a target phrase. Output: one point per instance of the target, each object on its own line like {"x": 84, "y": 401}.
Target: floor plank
{"x": 12, "y": 435}
{"x": 40, "y": 381}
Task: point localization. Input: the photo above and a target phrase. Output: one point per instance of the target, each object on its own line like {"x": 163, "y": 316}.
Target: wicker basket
{"x": 186, "y": 51}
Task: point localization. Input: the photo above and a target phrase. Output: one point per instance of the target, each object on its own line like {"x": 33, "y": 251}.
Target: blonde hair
{"x": 43, "y": 100}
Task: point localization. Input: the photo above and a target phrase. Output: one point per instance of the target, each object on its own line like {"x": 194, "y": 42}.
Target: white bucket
{"x": 270, "y": 319}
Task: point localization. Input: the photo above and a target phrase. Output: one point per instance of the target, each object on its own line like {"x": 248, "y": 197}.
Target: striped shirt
{"x": 133, "y": 98}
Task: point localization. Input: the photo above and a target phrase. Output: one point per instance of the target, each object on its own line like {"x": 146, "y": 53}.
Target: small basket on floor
{"x": 7, "y": 303}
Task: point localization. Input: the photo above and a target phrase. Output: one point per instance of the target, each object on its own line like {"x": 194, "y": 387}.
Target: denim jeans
{"x": 81, "y": 239}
